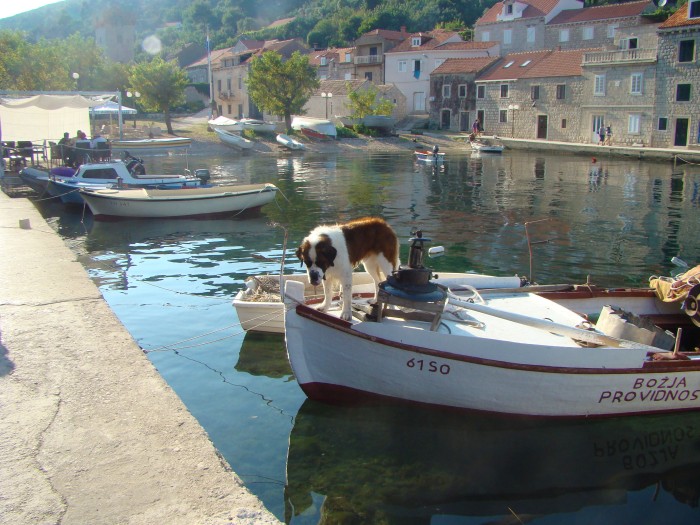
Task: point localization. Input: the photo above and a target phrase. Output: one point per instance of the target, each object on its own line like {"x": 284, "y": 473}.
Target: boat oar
{"x": 549, "y": 326}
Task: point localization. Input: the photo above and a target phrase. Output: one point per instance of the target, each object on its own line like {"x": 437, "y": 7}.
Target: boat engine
{"x": 691, "y": 305}
{"x": 134, "y": 165}
{"x": 414, "y": 278}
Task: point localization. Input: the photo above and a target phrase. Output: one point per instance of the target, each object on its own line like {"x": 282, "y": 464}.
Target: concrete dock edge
{"x": 90, "y": 432}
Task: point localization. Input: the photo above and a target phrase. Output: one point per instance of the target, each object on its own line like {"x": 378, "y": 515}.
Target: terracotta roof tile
{"x": 387, "y": 34}
{"x": 537, "y": 64}
{"x": 534, "y": 9}
{"x": 601, "y": 12}
{"x": 463, "y": 65}
{"x": 431, "y": 40}
{"x": 215, "y": 55}
{"x": 680, "y": 19}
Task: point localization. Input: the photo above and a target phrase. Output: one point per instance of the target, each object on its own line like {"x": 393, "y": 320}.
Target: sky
{"x": 11, "y": 8}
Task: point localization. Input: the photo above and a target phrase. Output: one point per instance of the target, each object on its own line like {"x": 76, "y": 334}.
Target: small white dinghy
{"x": 290, "y": 143}
{"x": 233, "y": 139}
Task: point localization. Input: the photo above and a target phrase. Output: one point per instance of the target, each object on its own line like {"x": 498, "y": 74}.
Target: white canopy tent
{"x": 110, "y": 107}
{"x": 44, "y": 117}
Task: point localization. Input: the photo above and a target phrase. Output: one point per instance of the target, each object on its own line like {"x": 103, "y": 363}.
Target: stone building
{"x": 535, "y": 94}
{"x": 409, "y": 64}
{"x": 620, "y": 88}
{"x": 597, "y": 26}
{"x": 369, "y": 53}
{"x": 334, "y": 64}
{"x": 229, "y": 74}
{"x": 453, "y": 92}
{"x": 519, "y": 25}
{"x": 115, "y": 34}
{"x": 331, "y": 99}
{"x": 677, "y": 118}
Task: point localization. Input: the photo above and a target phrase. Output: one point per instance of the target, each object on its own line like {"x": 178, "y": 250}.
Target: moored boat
{"x": 289, "y": 143}
{"x": 233, "y": 139}
{"x": 482, "y": 147}
{"x": 214, "y": 201}
{"x": 507, "y": 352}
{"x": 315, "y": 127}
{"x": 150, "y": 145}
{"x": 429, "y": 157}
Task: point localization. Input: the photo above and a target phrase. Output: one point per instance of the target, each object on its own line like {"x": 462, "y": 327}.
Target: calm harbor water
{"x": 618, "y": 221}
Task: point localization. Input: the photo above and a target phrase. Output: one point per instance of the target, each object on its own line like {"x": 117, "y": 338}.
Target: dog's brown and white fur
{"x": 332, "y": 252}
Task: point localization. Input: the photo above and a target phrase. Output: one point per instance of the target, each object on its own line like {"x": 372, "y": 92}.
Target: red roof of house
{"x": 537, "y": 64}
{"x": 534, "y": 9}
{"x": 680, "y": 19}
{"x": 215, "y": 55}
{"x": 387, "y": 34}
{"x": 430, "y": 39}
{"x": 463, "y": 65}
{"x": 601, "y": 12}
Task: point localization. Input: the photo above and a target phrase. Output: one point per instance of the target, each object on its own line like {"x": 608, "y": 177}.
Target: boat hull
{"x": 233, "y": 140}
{"x": 480, "y": 373}
{"x": 317, "y": 128}
{"x": 289, "y": 143}
{"x": 150, "y": 145}
{"x": 429, "y": 157}
{"x": 183, "y": 203}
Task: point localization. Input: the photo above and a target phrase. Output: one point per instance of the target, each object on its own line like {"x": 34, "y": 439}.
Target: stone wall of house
{"x": 669, "y": 74}
{"x": 456, "y": 105}
{"x": 522, "y": 113}
{"x": 518, "y": 29}
{"x": 603, "y": 35}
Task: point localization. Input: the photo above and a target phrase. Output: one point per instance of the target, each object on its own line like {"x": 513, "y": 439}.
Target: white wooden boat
{"x": 429, "y": 157}
{"x": 383, "y": 122}
{"x": 290, "y": 143}
{"x": 321, "y": 127}
{"x": 215, "y": 201}
{"x": 233, "y": 139}
{"x": 225, "y": 123}
{"x": 496, "y": 351}
{"x": 482, "y": 147}
{"x": 257, "y": 125}
{"x": 259, "y": 305}
{"x": 150, "y": 145}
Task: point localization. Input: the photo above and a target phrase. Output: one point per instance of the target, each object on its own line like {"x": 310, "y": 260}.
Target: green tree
{"x": 281, "y": 87}
{"x": 162, "y": 86}
{"x": 365, "y": 102}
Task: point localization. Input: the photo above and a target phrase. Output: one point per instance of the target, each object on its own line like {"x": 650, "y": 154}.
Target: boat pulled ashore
{"x": 506, "y": 352}
{"x": 148, "y": 203}
{"x": 233, "y": 139}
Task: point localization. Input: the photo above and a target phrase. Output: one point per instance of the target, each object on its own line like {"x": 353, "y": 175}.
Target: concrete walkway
{"x": 90, "y": 432}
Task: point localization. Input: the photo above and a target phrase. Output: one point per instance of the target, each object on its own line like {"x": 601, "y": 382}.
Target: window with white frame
{"x": 446, "y": 91}
{"x": 402, "y": 66}
{"x": 504, "y": 90}
{"x": 507, "y": 37}
{"x": 588, "y": 33}
{"x": 348, "y": 57}
{"x": 480, "y": 91}
{"x": 531, "y": 33}
{"x": 563, "y": 35}
{"x": 599, "y": 86}
{"x": 485, "y": 36}
{"x": 503, "y": 116}
{"x": 462, "y": 91}
{"x": 612, "y": 29}
{"x": 636, "y": 83}
{"x": 415, "y": 41}
{"x": 323, "y": 61}
{"x": 634, "y": 123}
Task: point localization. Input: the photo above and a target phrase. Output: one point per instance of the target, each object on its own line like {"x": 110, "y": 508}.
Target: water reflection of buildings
{"x": 398, "y": 464}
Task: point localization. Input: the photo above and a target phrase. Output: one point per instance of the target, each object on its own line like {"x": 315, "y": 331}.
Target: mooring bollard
{"x": 24, "y": 224}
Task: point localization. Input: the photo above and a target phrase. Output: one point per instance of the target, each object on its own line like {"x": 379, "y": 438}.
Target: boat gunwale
{"x": 648, "y": 367}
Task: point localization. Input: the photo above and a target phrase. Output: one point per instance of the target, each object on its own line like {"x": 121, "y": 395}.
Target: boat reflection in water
{"x": 411, "y": 464}
{"x": 263, "y": 354}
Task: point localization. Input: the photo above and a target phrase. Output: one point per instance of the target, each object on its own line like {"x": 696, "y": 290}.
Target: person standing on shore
{"x": 608, "y": 135}
{"x": 601, "y": 136}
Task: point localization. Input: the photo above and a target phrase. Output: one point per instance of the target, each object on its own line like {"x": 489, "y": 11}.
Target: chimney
{"x": 403, "y": 29}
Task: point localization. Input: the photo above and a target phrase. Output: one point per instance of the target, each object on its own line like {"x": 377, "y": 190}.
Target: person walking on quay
{"x": 476, "y": 128}
{"x": 608, "y": 135}
{"x": 601, "y": 135}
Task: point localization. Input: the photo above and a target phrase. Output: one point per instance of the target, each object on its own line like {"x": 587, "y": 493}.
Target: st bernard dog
{"x": 332, "y": 252}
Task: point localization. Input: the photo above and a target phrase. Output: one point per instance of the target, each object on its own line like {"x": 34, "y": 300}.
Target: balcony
{"x": 368, "y": 60}
{"x": 619, "y": 56}
{"x": 225, "y": 94}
